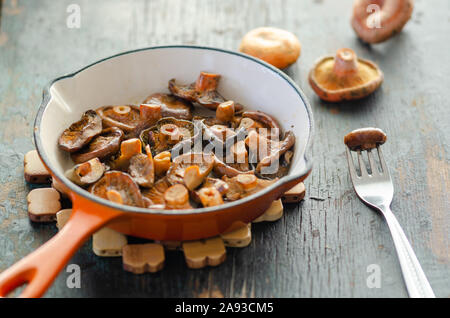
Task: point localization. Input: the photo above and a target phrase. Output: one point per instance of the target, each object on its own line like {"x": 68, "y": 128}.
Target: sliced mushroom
{"x": 344, "y": 77}
{"x": 268, "y": 151}
{"x": 192, "y": 177}
{"x": 102, "y": 146}
{"x": 119, "y": 187}
{"x": 156, "y": 193}
{"x": 383, "y": 20}
{"x": 125, "y": 117}
{"x": 365, "y": 138}
{"x": 203, "y": 91}
{"x": 220, "y": 185}
{"x": 81, "y": 132}
{"x": 86, "y": 173}
{"x": 162, "y": 163}
{"x": 150, "y": 112}
{"x": 177, "y": 197}
{"x": 142, "y": 170}
{"x": 223, "y": 169}
{"x": 264, "y": 119}
{"x": 128, "y": 149}
{"x": 210, "y": 197}
{"x": 244, "y": 185}
{"x": 205, "y": 163}
{"x": 171, "y": 106}
{"x": 225, "y": 111}
{"x": 166, "y": 133}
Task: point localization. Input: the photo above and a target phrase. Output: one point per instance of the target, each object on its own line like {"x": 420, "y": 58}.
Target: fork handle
{"x": 415, "y": 279}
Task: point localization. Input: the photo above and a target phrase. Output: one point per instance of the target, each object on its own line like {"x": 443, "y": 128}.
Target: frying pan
{"x": 128, "y": 78}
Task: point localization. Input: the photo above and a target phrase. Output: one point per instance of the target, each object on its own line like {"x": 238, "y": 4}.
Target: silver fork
{"x": 376, "y": 190}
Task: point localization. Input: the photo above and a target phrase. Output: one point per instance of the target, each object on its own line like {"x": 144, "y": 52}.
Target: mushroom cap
{"x": 276, "y": 46}
{"x": 171, "y": 106}
{"x": 344, "y": 77}
{"x": 392, "y": 17}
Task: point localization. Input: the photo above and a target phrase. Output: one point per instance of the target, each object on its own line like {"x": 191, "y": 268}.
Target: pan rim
{"x": 124, "y": 208}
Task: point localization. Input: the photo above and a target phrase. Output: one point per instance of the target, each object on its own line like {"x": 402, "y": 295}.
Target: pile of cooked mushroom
{"x": 161, "y": 155}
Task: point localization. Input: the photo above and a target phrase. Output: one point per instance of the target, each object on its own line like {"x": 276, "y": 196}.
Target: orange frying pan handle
{"x": 40, "y": 268}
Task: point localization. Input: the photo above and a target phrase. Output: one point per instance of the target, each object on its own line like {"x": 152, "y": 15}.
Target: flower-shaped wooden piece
{"x": 209, "y": 252}
{"x": 142, "y": 258}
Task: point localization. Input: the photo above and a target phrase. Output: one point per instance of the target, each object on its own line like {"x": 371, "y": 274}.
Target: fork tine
{"x": 351, "y": 165}
{"x": 362, "y": 165}
{"x": 372, "y": 163}
{"x": 383, "y": 163}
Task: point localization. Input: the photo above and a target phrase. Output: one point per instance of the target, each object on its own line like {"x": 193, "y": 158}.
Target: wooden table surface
{"x": 323, "y": 246}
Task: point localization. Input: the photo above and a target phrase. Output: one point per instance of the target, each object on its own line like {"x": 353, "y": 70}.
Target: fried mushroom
{"x": 86, "y": 173}
{"x": 81, "y": 132}
{"x": 365, "y": 138}
{"x": 102, "y": 146}
{"x": 205, "y": 163}
{"x": 119, "y": 187}
{"x": 171, "y": 106}
{"x": 177, "y": 197}
{"x": 244, "y": 185}
{"x": 203, "y": 91}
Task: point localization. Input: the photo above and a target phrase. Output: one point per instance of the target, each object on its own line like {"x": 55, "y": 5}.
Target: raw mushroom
{"x": 86, "y": 173}
{"x": 171, "y": 106}
{"x": 344, "y": 77}
{"x": 81, "y": 132}
{"x": 177, "y": 197}
{"x": 377, "y": 21}
{"x": 167, "y": 133}
{"x": 119, "y": 187}
{"x": 244, "y": 185}
{"x": 203, "y": 91}
{"x": 101, "y": 146}
{"x": 365, "y": 138}
{"x": 205, "y": 163}
{"x": 276, "y": 46}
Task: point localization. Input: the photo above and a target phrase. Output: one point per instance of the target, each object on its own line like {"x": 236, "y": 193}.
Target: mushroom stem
{"x": 345, "y": 62}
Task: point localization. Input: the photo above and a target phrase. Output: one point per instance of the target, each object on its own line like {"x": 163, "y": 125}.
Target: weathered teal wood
{"x": 322, "y": 247}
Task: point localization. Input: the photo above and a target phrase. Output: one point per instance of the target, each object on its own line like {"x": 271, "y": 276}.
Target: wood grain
{"x": 322, "y": 246}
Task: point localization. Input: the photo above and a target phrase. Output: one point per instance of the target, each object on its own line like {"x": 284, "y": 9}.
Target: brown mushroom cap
{"x": 203, "y": 91}
{"x": 142, "y": 170}
{"x": 278, "y": 47}
{"x": 125, "y": 117}
{"x": 205, "y": 163}
{"x": 392, "y": 16}
{"x": 123, "y": 184}
{"x": 161, "y": 137}
{"x": 344, "y": 77}
{"x": 101, "y": 146}
{"x": 156, "y": 192}
{"x": 365, "y": 138}
{"x": 81, "y": 132}
{"x": 87, "y": 172}
{"x": 244, "y": 185}
{"x": 171, "y": 106}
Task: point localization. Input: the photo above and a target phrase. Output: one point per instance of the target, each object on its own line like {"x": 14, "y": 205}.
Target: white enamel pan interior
{"x": 128, "y": 78}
